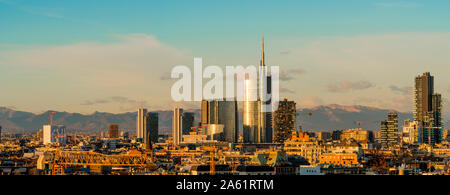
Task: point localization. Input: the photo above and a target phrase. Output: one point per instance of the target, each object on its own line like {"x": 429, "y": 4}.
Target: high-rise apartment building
{"x": 140, "y": 122}
{"x": 388, "y": 130}
{"x": 284, "y": 121}
{"x": 151, "y": 127}
{"x": 113, "y": 132}
{"x": 427, "y": 109}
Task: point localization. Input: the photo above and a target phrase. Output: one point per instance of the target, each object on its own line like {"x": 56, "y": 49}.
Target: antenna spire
{"x": 262, "y": 53}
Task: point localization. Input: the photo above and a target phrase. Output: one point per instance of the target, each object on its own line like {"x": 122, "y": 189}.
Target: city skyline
{"x": 90, "y": 66}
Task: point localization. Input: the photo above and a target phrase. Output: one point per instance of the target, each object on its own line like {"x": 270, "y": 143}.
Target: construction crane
{"x": 212, "y": 155}
{"x": 364, "y": 122}
{"x": 51, "y": 118}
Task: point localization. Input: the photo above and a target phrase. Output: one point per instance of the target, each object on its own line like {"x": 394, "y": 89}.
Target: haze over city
{"x": 115, "y": 57}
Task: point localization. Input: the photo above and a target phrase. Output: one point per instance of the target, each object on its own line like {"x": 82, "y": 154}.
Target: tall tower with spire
{"x": 258, "y": 121}
{"x": 265, "y": 86}
{"x": 262, "y": 53}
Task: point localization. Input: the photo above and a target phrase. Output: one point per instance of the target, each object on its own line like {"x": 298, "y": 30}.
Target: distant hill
{"x": 19, "y": 121}
{"x": 334, "y": 117}
{"x": 325, "y": 118}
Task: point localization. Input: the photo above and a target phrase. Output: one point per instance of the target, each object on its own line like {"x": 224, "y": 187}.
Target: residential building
{"x": 284, "y": 121}
{"x": 389, "y": 130}
{"x": 427, "y": 109}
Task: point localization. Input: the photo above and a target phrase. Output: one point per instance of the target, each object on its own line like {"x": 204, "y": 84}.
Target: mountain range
{"x": 323, "y": 118}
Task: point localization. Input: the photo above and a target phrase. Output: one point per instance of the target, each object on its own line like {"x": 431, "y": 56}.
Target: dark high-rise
{"x": 113, "y": 132}
{"x": 428, "y": 106}
{"x": 187, "y": 122}
{"x": 151, "y": 127}
{"x": 284, "y": 121}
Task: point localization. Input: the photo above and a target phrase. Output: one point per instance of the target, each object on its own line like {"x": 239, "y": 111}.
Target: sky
{"x": 115, "y": 55}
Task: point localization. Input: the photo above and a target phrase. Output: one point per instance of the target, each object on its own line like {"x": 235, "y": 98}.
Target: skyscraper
{"x": 187, "y": 122}
{"x": 140, "y": 122}
{"x": 257, "y": 121}
{"x": 176, "y": 126}
{"x": 113, "y": 132}
{"x": 388, "y": 130}
{"x": 222, "y": 112}
{"x": 251, "y": 112}
{"x": 427, "y": 110}
{"x": 151, "y": 127}
{"x": 204, "y": 112}
{"x": 284, "y": 121}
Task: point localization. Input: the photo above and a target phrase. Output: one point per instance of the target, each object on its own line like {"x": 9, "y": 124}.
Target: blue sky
{"x": 183, "y": 23}
{"x": 63, "y": 55}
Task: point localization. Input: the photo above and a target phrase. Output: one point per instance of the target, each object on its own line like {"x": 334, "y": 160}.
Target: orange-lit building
{"x": 356, "y": 134}
{"x": 113, "y": 131}
{"x": 299, "y": 136}
{"x": 343, "y": 159}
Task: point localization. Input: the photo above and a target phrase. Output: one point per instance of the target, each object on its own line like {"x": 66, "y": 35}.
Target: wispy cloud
{"x": 131, "y": 64}
{"x": 310, "y": 102}
{"x": 286, "y": 90}
{"x": 403, "y": 90}
{"x": 116, "y": 100}
{"x": 291, "y": 74}
{"x": 346, "y": 86}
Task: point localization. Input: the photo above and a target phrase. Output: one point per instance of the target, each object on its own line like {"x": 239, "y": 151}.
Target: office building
{"x": 113, "y": 132}
{"x": 284, "y": 121}
{"x": 427, "y": 109}
{"x": 257, "y": 122}
{"x": 140, "y": 123}
{"x": 205, "y": 116}
{"x": 187, "y": 122}
{"x": 222, "y": 112}
{"x": 151, "y": 127}
{"x": 389, "y": 130}
{"x": 176, "y": 126}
